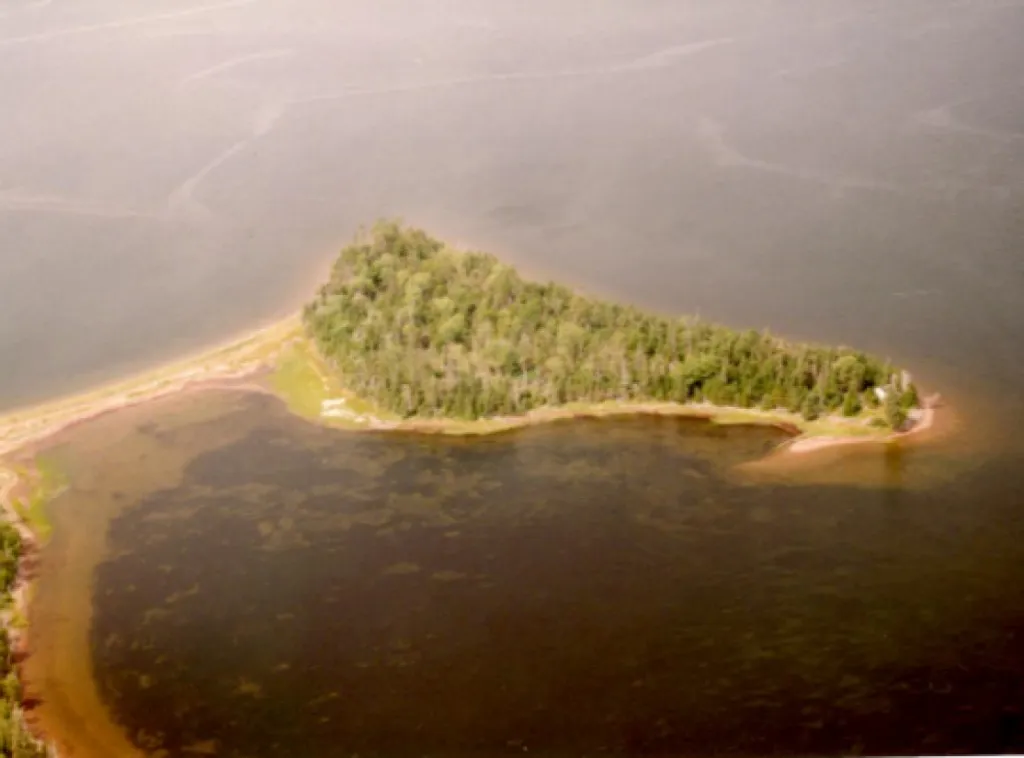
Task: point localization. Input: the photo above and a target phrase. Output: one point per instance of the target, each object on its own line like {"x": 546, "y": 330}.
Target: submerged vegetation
{"x": 421, "y": 329}
{"x": 408, "y": 327}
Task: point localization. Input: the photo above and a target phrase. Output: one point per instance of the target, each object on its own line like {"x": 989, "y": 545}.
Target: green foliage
{"x": 15, "y": 741}
{"x": 420, "y": 329}
{"x": 47, "y": 483}
{"x": 812, "y": 405}
{"x": 298, "y": 382}
{"x": 851, "y": 403}
{"x": 10, "y": 549}
{"x": 909, "y": 398}
{"x": 895, "y": 413}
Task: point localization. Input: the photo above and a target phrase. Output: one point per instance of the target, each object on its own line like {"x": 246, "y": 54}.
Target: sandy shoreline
{"x": 229, "y": 366}
{"x": 811, "y": 444}
{"x": 226, "y": 367}
{"x": 234, "y": 366}
{"x": 221, "y": 366}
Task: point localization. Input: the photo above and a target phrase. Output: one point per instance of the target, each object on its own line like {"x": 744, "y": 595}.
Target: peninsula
{"x": 424, "y": 331}
{"x": 411, "y": 334}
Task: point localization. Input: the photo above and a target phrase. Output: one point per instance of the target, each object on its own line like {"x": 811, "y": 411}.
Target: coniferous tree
{"x": 421, "y": 329}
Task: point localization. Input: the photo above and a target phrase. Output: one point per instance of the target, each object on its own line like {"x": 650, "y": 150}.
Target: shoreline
{"x": 227, "y": 363}
{"x": 232, "y": 365}
{"x": 236, "y": 365}
{"x": 14, "y": 619}
{"x": 804, "y": 445}
{"x": 227, "y": 366}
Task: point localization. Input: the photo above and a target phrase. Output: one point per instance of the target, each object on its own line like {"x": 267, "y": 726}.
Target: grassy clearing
{"x": 304, "y": 382}
{"x": 742, "y": 416}
{"x": 47, "y": 481}
{"x": 17, "y": 619}
{"x": 725, "y": 416}
{"x": 297, "y": 381}
{"x": 830, "y": 427}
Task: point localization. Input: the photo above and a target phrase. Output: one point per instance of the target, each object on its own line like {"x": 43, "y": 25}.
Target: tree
{"x": 895, "y": 415}
{"x": 812, "y": 406}
{"x": 421, "y": 329}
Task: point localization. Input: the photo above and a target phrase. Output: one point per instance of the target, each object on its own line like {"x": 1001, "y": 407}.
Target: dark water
{"x": 842, "y": 170}
{"x": 574, "y": 589}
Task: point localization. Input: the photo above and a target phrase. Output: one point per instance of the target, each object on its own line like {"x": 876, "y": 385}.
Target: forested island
{"x": 424, "y": 330}
{"x": 411, "y": 334}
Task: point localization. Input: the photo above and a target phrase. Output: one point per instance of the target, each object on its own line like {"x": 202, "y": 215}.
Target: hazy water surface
{"x": 578, "y": 588}
{"x": 848, "y": 171}
{"x": 836, "y": 169}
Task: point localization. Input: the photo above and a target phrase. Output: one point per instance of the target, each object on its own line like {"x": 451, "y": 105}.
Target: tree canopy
{"x": 15, "y": 739}
{"x": 422, "y": 329}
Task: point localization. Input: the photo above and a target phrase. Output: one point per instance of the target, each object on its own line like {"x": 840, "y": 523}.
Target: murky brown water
{"x": 841, "y": 170}
{"x": 271, "y": 588}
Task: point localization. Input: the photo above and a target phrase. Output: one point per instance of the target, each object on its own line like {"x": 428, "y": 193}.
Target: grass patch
{"x": 831, "y": 428}
{"x": 297, "y": 380}
{"x": 739, "y": 416}
{"x": 18, "y": 620}
{"x": 37, "y": 516}
{"x": 304, "y": 382}
{"x": 47, "y": 481}
{"x": 51, "y": 477}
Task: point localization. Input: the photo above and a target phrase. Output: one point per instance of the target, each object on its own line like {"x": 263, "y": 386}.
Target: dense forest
{"x": 15, "y": 741}
{"x": 425, "y": 330}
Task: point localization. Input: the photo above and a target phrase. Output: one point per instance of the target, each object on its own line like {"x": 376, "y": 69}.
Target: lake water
{"x": 222, "y": 576}
{"x": 225, "y": 577}
{"x": 841, "y": 170}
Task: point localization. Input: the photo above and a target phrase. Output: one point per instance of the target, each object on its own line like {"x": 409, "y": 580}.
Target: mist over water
{"x": 839, "y": 170}
{"x": 610, "y": 587}
{"x": 843, "y": 171}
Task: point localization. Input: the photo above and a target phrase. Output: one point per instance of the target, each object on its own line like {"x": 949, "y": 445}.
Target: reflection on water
{"x": 575, "y": 588}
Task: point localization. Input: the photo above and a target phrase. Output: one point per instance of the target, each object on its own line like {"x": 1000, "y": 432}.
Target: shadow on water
{"x": 267, "y": 587}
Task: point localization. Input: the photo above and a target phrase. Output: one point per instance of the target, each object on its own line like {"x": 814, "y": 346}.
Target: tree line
{"x": 15, "y": 740}
{"x": 422, "y": 329}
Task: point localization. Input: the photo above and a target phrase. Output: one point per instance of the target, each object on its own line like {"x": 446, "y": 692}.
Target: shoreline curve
{"x": 242, "y": 364}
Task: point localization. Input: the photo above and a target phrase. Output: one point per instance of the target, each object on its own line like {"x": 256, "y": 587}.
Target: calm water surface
{"x": 612, "y": 586}
{"x": 842, "y": 170}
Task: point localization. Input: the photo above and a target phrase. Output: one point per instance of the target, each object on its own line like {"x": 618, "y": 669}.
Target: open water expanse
{"x": 225, "y": 578}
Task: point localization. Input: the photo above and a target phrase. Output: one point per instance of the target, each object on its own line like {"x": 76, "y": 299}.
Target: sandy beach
{"x": 233, "y": 366}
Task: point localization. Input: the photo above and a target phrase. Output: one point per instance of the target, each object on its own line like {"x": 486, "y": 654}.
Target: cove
{"x": 225, "y": 578}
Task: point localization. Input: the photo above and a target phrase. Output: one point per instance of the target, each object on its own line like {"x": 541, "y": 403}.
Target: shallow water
{"x": 840, "y": 170}
{"x": 574, "y": 588}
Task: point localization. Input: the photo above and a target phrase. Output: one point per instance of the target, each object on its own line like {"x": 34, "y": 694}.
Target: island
{"x": 421, "y": 330}
{"x": 412, "y": 334}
